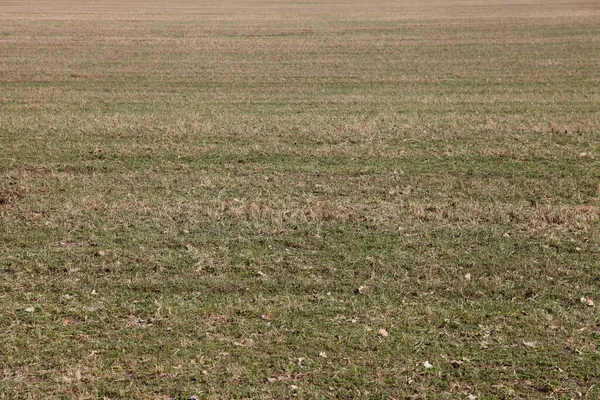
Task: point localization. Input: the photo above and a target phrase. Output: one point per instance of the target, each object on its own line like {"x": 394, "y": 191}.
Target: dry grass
{"x": 231, "y": 199}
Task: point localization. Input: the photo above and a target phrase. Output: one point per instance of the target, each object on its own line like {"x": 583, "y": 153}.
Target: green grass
{"x": 230, "y": 200}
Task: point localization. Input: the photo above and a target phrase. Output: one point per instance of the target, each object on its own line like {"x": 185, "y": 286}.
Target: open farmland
{"x": 250, "y": 199}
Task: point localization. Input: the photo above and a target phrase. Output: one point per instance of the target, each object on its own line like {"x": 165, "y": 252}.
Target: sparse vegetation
{"x": 296, "y": 199}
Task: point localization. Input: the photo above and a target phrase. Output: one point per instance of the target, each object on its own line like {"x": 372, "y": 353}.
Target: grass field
{"x": 248, "y": 199}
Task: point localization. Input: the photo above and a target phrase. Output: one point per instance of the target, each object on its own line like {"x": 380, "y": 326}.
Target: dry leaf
{"x": 472, "y": 397}
{"x": 29, "y": 309}
{"x": 531, "y": 345}
{"x": 383, "y": 332}
{"x": 427, "y": 365}
{"x": 323, "y": 354}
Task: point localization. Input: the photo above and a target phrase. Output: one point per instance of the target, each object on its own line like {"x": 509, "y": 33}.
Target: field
{"x": 252, "y": 199}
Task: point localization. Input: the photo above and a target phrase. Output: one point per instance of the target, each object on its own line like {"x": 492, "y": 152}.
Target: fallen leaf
{"x": 468, "y": 277}
{"x": 427, "y": 365}
{"x": 472, "y": 397}
{"x": 531, "y": 345}
{"x": 323, "y": 354}
{"x": 29, "y": 309}
{"x": 382, "y": 332}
